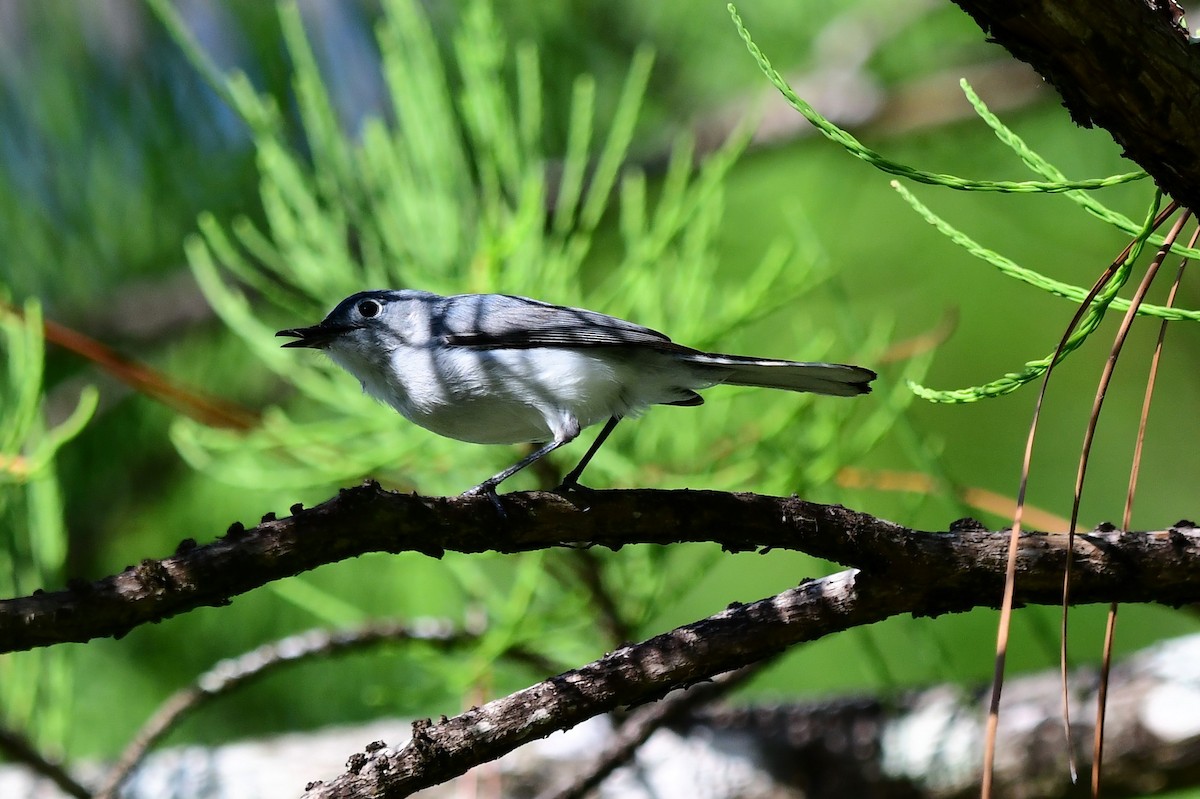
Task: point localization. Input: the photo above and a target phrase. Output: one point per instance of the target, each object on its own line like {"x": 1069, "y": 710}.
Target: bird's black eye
{"x": 369, "y": 308}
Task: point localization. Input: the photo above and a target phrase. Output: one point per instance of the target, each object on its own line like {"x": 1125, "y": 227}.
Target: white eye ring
{"x": 369, "y": 308}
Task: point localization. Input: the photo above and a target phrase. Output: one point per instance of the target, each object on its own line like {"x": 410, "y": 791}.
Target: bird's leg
{"x": 488, "y": 487}
{"x": 571, "y": 481}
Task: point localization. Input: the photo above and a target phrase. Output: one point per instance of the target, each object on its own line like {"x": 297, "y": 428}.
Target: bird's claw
{"x": 573, "y": 486}
{"x": 487, "y": 489}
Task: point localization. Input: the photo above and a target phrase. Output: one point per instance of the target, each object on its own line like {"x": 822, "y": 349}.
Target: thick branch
{"x": 916, "y": 744}
{"x": 634, "y": 674}
{"x": 910, "y": 745}
{"x": 959, "y": 569}
{"x": 1118, "y": 64}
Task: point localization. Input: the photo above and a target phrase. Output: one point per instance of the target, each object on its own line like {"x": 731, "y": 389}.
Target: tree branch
{"x": 959, "y": 569}
{"x": 634, "y": 674}
{"x": 1124, "y": 65}
{"x": 912, "y": 744}
{"x": 19, "y": 749}
{"x": 902, "y": 571}
{"x": 231, "y": 674}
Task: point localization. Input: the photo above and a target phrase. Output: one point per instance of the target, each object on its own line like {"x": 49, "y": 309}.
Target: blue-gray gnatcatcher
{"x": 497, "y": 369}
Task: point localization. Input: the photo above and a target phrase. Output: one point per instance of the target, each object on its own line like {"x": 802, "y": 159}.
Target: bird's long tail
{"x": 837, "y": 379}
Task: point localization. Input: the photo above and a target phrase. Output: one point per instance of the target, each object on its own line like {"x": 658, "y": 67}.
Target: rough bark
{"x": 920, "y": 744}
{"x": 899, "y": 570}
{"x": 958, "y": 569}
{"x": 1124, "y": 65}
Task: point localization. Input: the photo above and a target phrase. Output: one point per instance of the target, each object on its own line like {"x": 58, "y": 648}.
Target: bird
{"x": 504, "y": 369}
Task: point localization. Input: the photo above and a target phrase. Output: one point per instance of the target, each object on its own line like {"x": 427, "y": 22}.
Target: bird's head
{"x": 362, "y": 320}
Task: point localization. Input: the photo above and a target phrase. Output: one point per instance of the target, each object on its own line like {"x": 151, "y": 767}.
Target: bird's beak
{"x": 318, "y": 336}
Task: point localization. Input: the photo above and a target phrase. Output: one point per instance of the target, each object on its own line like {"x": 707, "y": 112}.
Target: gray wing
{"x": 504, "y": 321}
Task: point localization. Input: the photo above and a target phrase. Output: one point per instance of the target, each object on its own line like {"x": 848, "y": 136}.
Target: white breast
{"x": 511, "y": 396}
{"x": 501, "y": 396}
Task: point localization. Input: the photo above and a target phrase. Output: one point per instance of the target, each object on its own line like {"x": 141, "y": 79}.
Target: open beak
{"x": 316, "y": 337}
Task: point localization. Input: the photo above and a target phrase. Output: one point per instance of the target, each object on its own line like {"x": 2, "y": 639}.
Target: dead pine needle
{"x": 1127, "y": 517}
{"x": 1005, "y": 621}
{"x": 207, "y": 410}
{"x": 1085, "y": 453}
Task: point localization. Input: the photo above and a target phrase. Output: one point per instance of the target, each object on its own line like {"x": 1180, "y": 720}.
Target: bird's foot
{"x": 571, "y": 485}
{"x": 487, "y": 489}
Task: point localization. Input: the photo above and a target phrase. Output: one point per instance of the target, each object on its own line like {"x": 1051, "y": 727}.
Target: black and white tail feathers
{"x": 835, "y": 379}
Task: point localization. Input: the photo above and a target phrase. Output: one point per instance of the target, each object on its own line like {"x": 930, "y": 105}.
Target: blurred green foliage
{"x": 1055, "y": 183}
{"x": 454, "y": 195}
{"x": 35, "y": 687}
{"x": 365, "y": 148}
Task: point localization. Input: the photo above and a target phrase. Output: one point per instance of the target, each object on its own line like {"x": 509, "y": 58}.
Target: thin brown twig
{"x": 1127, "y": 520}
{"x": 21, "y": 750}
{"x": 1089, "y": 437}
{"x": 972, "y": 496}
{"x": 921, "y": 343}
{"x": 1010, "y": 576}
{"x": 235, "y": 672}
{"x": 207, "y": 410}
